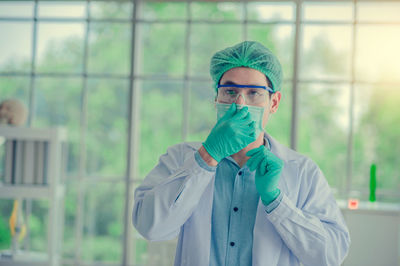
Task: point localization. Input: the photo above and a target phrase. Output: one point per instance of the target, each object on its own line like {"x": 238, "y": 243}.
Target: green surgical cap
{"x": 247, "y": 54}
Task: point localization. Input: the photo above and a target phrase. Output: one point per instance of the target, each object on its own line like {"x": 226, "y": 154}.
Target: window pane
{"x": 162, "y": 49}
{"x": 16, "y": 46}
{"x": 110, "y": 9}
{"x": 70, "y": 210}
{"x": 16, "y": 9}
{"x": 103, "y": 222}
{"x": 328, "y": 11}
{"x": 162, "y": 253}
{"x": 38, "y": 225}
{"x": 376, "y": 136}
{"x": 109, "y": 48}
{"x": 279, "y": 124}
{"x": 216, "y": 11}
{"x": 324, "y": 126}
{"x": 15, "y": 87}
{"x": 207, "y": 39}
{"x": 141, "y": 253}
{"x": 160, "y": 120}
{"x": 60, "y": 47}
{"x": 326, "y": 52}
{"x": 279, "y": 39}
{"x": 2, "y": 169}
{"x": 158, "y": 10}
{"x": 270, "y": 11}
{"x": 58, "y": 103}
{"x": 378, "y": 58}
{"x": 6, "y": 206}
{"x": 62, "y": 9}
{"x": 379, "y": 11}
{"x": 107, "y": 127}
{"x": 202, "y": 113}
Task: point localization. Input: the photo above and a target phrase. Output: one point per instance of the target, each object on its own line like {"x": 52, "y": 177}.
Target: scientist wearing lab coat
{"x": 240, "y": 197}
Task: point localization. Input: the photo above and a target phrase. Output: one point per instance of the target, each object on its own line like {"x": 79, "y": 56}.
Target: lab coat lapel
{"x": 197, "y": 231}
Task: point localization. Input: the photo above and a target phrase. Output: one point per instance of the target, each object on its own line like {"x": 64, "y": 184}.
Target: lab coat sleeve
{"x": 169, "y": 194}
{"x": 314, "y": 230}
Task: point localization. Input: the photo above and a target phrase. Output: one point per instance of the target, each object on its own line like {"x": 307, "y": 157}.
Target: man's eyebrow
{"x": 228, "y": 82}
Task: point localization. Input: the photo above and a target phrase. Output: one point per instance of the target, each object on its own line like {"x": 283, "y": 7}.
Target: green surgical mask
{"x": 256, "y": 114}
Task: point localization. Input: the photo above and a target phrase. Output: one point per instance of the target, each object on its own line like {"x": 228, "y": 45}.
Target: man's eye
{"x": 254, "y": 93}
{"x": 230, "y": 92}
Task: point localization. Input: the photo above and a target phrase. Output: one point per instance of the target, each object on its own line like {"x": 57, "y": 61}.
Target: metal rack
{"x": 52, "y": 190}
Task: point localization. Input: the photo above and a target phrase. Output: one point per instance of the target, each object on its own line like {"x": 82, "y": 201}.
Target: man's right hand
{"x": 233, "y": 132}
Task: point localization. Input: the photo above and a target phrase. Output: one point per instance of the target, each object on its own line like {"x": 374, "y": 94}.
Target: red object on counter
{"x": 352, "y": 204}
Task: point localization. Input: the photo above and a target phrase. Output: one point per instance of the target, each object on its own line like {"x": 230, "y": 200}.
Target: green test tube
{"x": 372, "y": 183}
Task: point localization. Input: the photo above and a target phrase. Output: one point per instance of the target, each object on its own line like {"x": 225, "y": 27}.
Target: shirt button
{"x": 235, "y": 209}
{"x": 240, "y": 172}
{"x": 232, "y": 244}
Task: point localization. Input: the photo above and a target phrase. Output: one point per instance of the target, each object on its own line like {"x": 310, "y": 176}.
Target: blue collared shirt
{"x": 233, "y": 214}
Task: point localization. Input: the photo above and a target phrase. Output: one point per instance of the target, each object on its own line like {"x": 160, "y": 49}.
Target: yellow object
{"x": 13, "y": 218}
{"x": 23, "y": 232}
{"x": 16, "y": 220}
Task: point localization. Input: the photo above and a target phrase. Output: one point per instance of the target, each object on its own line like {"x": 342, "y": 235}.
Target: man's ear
{"x": 275, "y": 100}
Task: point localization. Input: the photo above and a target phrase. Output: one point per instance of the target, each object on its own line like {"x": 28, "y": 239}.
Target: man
{"x": 240, "y": 197}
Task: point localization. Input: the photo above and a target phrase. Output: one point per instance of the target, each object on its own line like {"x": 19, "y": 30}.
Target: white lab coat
{"x": 306, "y": 228}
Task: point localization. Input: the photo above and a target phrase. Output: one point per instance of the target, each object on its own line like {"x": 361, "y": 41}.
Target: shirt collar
{"x": 267, "y": 144}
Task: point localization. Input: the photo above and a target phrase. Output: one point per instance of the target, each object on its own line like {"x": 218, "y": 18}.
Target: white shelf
{"x": 11, "y": 132}
{"x": 30, "y": 191}
{"x": 24, "y": 258}
{"x": 49, "y": 167}
{"x": 24, "y": 263}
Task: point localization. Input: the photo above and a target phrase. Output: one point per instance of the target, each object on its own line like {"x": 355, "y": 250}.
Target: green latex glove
{"x": 233, "y": 132}
{"x": 268, "y": 171}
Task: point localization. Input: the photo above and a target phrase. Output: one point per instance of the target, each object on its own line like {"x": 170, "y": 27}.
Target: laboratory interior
{"x": 110, "y": 140}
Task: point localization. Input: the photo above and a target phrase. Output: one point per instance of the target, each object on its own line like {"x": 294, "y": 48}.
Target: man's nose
{"x": 240, "y": 99}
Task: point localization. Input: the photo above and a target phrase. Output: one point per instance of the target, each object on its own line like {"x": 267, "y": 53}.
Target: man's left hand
{"x": 268, "y": 171}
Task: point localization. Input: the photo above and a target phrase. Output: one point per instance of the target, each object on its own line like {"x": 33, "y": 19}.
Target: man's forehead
{"x": 244, "y": 75}
{"x": 230, "y": 82}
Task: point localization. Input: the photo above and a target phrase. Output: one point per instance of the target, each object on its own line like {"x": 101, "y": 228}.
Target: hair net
{"x": 247, "y": 54}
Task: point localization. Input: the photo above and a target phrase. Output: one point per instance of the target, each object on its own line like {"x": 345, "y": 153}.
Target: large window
{"x": 130, "y": 78}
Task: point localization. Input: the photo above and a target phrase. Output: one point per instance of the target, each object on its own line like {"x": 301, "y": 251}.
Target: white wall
{"x": 375, "y": 235}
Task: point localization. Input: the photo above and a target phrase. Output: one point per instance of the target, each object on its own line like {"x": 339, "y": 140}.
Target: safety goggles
{"x": 254, "y": 95}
